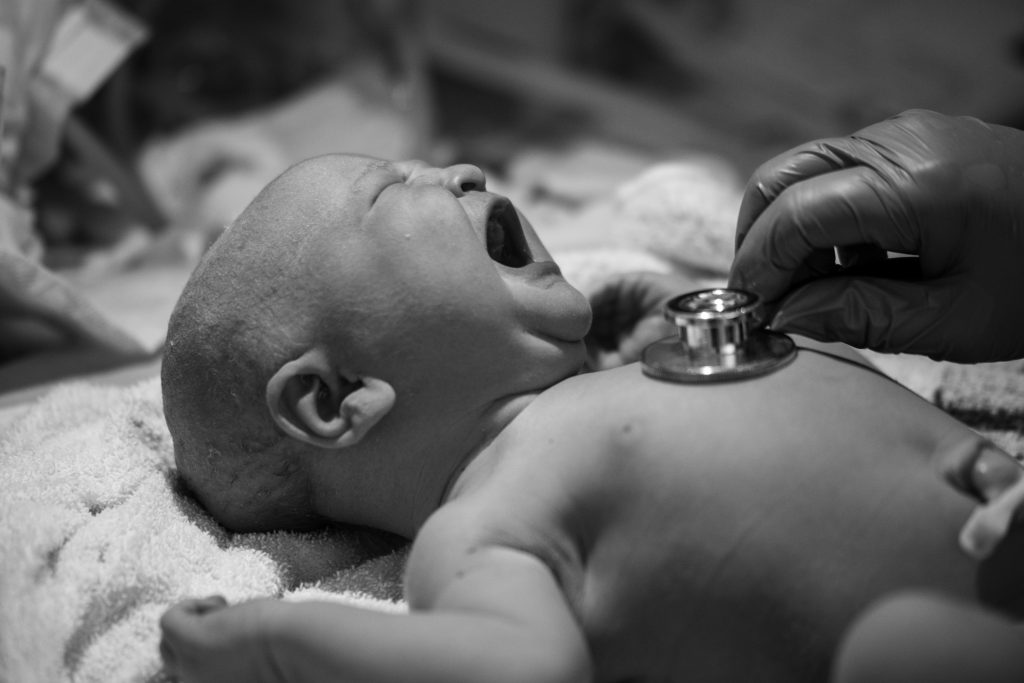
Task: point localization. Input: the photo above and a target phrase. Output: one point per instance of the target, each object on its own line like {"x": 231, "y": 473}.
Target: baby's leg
{"x": 927, "y": 638}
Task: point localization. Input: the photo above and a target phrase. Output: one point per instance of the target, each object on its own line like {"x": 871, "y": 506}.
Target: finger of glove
{"x": 864, "y": 261}
{"x": 844, "y": 208}
{"x": 875, "y": 313}
{"x": 787, "y": 169}
{"x": 909, "y": 140}
{"x": 860, "y": 259}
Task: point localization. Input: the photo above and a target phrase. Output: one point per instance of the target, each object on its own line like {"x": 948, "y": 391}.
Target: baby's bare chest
{"x": 690, "y": 539}
{"x": 672, "y": 571}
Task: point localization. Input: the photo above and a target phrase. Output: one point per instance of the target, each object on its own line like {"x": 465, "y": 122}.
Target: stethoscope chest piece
{"x": 721, "y": 337}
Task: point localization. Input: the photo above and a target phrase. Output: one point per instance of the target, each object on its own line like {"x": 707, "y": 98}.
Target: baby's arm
{"x": 485, "y": 614}
{"x": 925, "y": 638}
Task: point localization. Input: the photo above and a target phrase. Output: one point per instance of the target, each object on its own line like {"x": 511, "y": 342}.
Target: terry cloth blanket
{"x": 97, "y": 538}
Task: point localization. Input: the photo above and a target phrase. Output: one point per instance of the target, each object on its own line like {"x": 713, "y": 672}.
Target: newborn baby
{"x": 390, "y": 345}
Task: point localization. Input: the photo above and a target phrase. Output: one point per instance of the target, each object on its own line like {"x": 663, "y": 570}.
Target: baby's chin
{"x": 577, "y": 321}
{"x": 551, "y": 308}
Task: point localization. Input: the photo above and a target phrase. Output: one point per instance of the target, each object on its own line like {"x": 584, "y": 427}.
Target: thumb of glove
{"x": 875, "y": 313}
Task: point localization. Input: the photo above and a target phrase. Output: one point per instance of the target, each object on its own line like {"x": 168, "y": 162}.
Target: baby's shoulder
{"x": 576, "y": 447}
{"x": 591, "y": 404}
{"x": 587, "y": 423}
{"x": 463, "y": 537}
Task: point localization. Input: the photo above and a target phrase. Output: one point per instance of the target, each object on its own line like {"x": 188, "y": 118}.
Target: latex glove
{"x": 205, "y": 640}
{"x": 947, "y": 189}
{"x": 627, "y": 316}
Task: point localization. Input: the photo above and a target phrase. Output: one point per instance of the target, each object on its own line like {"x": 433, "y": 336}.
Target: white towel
{"x": 97, "y": 540}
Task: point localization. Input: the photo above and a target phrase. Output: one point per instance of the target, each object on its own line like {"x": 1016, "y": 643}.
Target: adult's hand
{"x": 949, "y": 190}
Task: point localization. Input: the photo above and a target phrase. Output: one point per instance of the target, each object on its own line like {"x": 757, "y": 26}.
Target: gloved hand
{"x": 949, "y": 190}
{"x": 628, "y": 316}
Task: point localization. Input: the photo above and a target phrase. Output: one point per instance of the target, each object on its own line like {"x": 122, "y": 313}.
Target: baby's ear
{"x": 313, "y": 401}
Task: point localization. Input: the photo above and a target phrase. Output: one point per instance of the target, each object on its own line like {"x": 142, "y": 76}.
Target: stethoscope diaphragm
{"x": 721, "y": 337}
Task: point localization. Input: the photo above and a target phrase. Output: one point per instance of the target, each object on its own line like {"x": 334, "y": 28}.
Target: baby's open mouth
{"x": 506, "y": 243}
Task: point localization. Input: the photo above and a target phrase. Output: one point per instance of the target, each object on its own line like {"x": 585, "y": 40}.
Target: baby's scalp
{"x": 259, "y": 299}
{"x": 350, "y": 287}
{"x": 239, "y": 316}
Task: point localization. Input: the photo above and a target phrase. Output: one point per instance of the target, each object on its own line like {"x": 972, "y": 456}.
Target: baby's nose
{"x": 463, "y": 178}
{"x": 458, "y": 179}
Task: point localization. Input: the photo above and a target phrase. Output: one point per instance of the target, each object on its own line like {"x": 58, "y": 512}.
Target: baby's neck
{"x": 502, "y": 414}
{"x": 419, "y": 473}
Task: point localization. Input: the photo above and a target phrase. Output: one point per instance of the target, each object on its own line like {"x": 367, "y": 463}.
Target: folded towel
{"x": 989, "y": 397}
{"x": 99, "y": 539}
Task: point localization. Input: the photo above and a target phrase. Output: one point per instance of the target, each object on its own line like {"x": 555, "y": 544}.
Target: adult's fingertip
{"x": 798, "y": 322}
{"x": 749, "y": 273}
{"x": 837, "y": 309}
{"x": 810, "y": 311}
{"x": 755, "y": 200}
{"x": 737, "y": 279}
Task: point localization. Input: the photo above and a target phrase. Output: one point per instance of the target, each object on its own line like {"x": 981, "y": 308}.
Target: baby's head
{"x": 356, "y": 314}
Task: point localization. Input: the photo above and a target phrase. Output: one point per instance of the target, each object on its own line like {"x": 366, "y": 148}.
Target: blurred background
{"x": 135, "y": 130}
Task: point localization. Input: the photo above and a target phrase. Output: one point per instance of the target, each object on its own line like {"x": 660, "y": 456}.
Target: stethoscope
{"x": 721, "y": 337}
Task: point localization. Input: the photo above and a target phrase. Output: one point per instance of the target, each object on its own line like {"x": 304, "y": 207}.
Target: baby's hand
{"x": 628, "y": 316}
{"x": 998, "y": 479}
{"x": 206, "y": 640}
